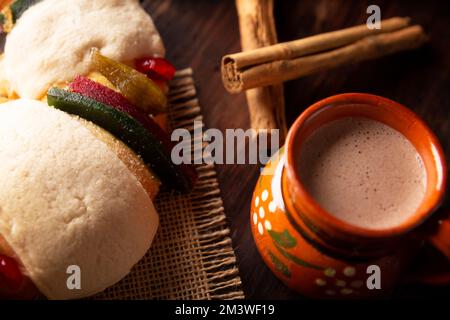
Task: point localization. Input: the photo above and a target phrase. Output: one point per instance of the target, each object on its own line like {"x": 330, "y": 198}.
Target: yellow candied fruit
{"x": 62, "y": 85}
{"x": 8, "y": 24}
{"x": 98, "y": 77}
{"x": 133, "y": 85}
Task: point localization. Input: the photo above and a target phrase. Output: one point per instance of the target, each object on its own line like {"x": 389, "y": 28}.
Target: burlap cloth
{"x": 191, "y": 256}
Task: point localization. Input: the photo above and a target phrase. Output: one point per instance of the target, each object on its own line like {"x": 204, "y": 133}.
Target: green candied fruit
{"x": 18, "y": 7}
{"x": 127, "y": 129}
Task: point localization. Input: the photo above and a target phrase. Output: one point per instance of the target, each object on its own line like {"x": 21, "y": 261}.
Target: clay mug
{"x": 319, "y": 255}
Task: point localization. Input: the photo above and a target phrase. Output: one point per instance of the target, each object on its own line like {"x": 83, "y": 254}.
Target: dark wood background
{"x": 198, "y": 33}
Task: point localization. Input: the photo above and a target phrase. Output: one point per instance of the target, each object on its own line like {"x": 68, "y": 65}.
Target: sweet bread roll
{"x": 50, "y": 42}
{"x": 78, "y": 172}
{"x": 67, "y": 198}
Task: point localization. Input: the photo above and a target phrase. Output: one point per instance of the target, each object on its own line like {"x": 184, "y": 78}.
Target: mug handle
{"x": 434, "y": 264}
{"x": 441, "y": 238}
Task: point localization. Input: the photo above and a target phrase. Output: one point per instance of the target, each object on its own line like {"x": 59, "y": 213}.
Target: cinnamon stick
{"x": 257, "y": 28}
{"x": 290, "y": 60}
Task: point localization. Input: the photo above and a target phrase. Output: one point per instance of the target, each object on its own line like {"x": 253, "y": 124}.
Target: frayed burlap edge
{"x": 192, "y": 255}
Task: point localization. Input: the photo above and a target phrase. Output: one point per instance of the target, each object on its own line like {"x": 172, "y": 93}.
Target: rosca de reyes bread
{"x": 82, "y": 150}
{"x": 50, "y": 42}
{"x": 68, "y": 199}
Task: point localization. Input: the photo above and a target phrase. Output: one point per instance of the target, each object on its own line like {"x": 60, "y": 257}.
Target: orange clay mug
{"x": 319, "y": 255}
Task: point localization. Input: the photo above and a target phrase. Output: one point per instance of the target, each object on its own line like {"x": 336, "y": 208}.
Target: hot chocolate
{"x": 363, "y": 172}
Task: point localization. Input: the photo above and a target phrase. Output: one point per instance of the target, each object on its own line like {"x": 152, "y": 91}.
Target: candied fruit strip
{"x": 130, "y": 131}
{"x": 135, "y": 86}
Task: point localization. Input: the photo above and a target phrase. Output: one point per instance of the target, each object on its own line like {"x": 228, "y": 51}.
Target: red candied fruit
{"x": 105, "y": 95}
{"x": 156, "y": 68}
{"x": 96, "y": 91}
{"x": 10, "y": 274}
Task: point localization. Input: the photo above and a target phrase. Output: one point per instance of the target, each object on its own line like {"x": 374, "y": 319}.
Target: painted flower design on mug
{"x": 266, "y": 209}
{"x": 261, "y": 213}
{"x": 340, "y": 283}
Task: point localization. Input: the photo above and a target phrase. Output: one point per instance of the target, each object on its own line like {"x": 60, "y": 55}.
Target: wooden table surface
{"x": 198, "y": 33}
